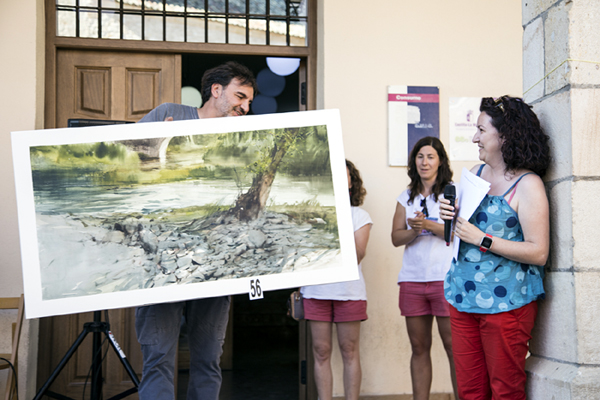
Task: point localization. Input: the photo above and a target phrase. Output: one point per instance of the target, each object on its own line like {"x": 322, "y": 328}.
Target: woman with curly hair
{"x": 494, "y": 283}
{"x": 426, "y": 259}
{"x": 344, "y": 304}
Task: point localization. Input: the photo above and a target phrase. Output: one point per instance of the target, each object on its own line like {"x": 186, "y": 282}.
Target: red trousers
{"x": 489, "y": 352}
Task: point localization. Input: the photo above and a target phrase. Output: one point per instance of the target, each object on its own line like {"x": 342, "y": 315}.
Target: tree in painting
{"x": 251, "y": 204}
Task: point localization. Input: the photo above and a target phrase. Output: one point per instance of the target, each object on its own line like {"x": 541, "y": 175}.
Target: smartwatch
{"x": 486, "y": 243}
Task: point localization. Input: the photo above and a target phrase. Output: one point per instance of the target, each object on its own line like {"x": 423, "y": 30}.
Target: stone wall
{"x": 561, "y": 79}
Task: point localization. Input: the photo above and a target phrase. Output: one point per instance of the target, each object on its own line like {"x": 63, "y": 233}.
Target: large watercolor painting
{"x": 126, "y": 215}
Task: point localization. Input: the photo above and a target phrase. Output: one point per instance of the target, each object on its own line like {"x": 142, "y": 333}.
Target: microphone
{"x": 449, "y": 194}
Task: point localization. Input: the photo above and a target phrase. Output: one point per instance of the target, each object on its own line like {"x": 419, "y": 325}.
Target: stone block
{"x": 556, "y": 46}
{"x": 533, "y": 8}
{"x": 555, "y": 118}
{"x": 554, "y": 113}
{"x": 586, "y": 252}
{"x": 533, "y": 60}
{"x": 549, "y": 379}
{"x": 561, "y": 227}
{"x": 588, "y": 316}
{"x": 584, "y": 18}
{"x": 585, "y": 111}
{"x": 555, "y": 331}
{"x": 584, "y": 36}
{"x": 585, "y": 73}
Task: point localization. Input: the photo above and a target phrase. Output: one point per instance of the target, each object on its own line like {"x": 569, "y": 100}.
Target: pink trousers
{"x": 489, "y": 352}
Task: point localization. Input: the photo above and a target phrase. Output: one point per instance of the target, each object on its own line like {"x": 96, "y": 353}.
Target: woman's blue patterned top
{"x": 486, "y": 283}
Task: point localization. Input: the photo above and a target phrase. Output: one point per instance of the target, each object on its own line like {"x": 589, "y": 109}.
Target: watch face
{"x": 486, "y": 242}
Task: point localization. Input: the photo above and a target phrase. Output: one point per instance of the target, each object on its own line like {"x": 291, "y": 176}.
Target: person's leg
{"x": 505, "y": 340}
{"x": 419, "y": 334}
{"x": 441, "y": 310}
{"x": 469, "y": 359}
{"x": 445, "y": 330}
{"x": 207, "y": 323}
{"x": 348, "y": 334}
{"x": 157, "y": 327}
{"x": 321, "y": 346}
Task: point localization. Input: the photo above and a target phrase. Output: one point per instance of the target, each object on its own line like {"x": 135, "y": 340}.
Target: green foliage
{"x": 187, "y": 214}
{"x": 240, "y": 148}
{"x": 88, "y": 154}
{"x": 309, "y": 156}
{"x": 290, "y": 139}
{"x": 309, "y": 211}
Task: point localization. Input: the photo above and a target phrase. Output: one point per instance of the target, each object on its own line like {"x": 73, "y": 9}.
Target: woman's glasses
{"x": 424, "y": 206}
{"x": 498, "y": 102}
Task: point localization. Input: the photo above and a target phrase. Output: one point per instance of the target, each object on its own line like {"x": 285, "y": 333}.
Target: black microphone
{"x": 449, "y": 194}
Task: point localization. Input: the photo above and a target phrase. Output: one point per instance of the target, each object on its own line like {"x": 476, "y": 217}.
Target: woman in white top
{"x": 417, "y": 225}
{"x": 344, "y": 304}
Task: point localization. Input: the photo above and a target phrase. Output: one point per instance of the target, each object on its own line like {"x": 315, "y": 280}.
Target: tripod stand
{"x": 97, "y": 328}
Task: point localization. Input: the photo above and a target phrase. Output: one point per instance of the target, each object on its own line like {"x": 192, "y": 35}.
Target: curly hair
{"x": 525, "y": 145}
{"x": 357, "y": 191}
{"x": 223, "y": 74}
{"x": 444, "y": 172}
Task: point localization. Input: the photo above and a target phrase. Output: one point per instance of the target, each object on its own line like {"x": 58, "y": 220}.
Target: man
{"x": 227, "y": 91}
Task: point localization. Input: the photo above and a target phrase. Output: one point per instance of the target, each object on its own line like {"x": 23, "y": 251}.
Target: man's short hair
{"x": 223, "y": 74}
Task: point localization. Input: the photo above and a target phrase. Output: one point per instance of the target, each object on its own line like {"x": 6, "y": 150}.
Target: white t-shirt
{"x": 352, "y": 290}
{"x": 426, "y": 258}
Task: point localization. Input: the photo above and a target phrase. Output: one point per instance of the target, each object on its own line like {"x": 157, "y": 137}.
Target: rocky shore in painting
{"x": 143, "y": 253}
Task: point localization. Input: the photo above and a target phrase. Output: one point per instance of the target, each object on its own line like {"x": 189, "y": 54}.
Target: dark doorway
{"x": 265, "y": 350}
{"x": 265, "y": 341}
{"x": 194, "y": 66}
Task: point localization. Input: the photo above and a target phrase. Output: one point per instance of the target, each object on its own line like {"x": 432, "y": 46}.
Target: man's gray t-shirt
{"x": 177, "y": 111}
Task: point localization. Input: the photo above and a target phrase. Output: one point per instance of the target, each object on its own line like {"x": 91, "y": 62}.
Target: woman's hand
{"x": 447, "y": 212}
{"x": 467, "y": 232}
{"x": 417, "y": 223}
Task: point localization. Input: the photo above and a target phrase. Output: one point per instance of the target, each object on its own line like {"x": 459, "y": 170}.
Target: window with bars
{"x": 262, "y": 22}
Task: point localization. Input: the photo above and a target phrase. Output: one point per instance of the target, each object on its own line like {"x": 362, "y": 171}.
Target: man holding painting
{"x": 227, "y": 91}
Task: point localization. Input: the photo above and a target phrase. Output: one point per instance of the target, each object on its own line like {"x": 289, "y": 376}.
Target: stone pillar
{"x": 561, "y": 39}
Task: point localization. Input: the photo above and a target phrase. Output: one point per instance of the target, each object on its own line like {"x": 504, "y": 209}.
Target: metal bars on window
{"x": 267, "y": 22}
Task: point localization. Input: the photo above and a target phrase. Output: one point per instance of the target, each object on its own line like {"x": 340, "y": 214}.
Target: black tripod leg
{"x": 121, "y": 354}
{"x": 62, "y": 363}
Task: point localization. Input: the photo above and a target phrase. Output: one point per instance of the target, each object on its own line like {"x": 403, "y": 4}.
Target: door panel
{"x": 116, "y": 86}
{"x": 143, "y": 89}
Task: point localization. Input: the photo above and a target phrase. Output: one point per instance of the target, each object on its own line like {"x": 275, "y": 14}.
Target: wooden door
{"x": 113, "y": 86}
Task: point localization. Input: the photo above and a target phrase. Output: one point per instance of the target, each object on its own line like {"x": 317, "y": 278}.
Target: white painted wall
{"x": 21, "y": 108}
{"x": 467, "y": 48}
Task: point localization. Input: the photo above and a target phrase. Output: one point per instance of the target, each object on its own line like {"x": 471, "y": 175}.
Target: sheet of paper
{"x": 471, "y": 190}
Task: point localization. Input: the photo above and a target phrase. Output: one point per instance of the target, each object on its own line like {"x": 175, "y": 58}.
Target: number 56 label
{"x": 255, "y": 289}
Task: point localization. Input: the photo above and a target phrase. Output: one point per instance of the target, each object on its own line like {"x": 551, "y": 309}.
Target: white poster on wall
{"x": 463, "y": 113}
{"x": 413, "y": 113}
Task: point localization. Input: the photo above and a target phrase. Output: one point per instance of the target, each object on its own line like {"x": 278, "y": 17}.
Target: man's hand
{"x": 169, "y": 119}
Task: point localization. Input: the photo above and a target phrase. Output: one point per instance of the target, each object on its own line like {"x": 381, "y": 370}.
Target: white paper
{"x": 471, "y": 191}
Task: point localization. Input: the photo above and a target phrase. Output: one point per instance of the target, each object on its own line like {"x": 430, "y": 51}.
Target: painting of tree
{"x": 116, "y": 219}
